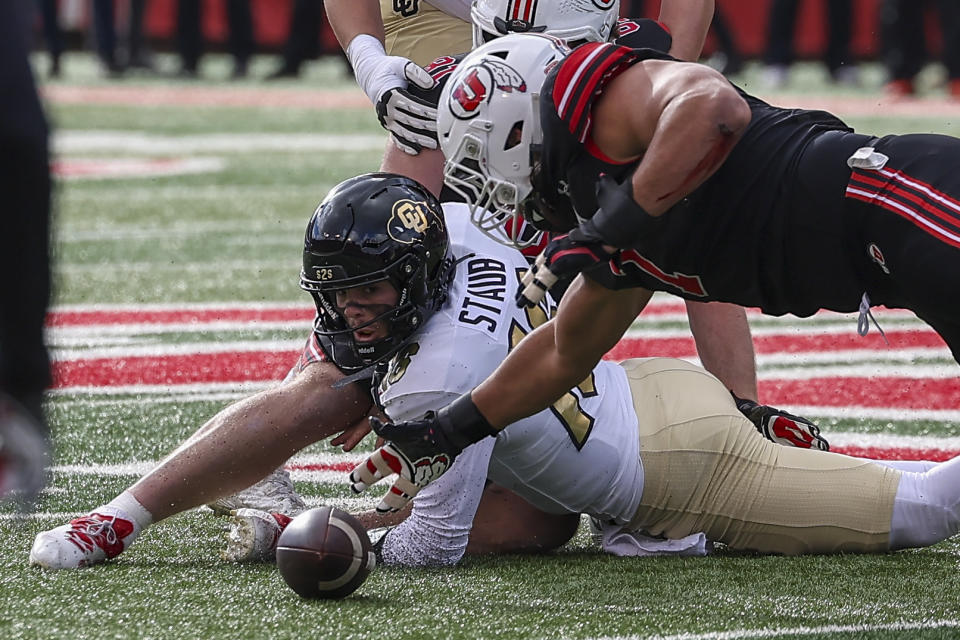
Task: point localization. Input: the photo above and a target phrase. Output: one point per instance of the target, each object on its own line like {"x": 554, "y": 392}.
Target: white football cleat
{"x": 252, "y": 535}
{"x": 85, "y": 541}
{"x": 273, "y": 494}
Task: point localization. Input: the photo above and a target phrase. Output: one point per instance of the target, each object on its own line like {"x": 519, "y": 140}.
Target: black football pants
{"x": 25, "y": 206}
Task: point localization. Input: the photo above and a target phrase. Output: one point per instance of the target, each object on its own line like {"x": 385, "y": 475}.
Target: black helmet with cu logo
{"x": 375, "y": 227}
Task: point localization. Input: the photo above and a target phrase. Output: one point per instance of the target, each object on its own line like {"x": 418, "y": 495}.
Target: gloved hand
{"x": 419, "y": 451}
{"x": 411, "y": 121}
{"x": 563, "y": 258}
{"x": 781, "y": 427}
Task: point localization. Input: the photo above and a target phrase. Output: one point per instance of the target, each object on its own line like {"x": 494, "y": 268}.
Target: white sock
{"x": 926, "y": 509}
{"x": 131, "y": 507}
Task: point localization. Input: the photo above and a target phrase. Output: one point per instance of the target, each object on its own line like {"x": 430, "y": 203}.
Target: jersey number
{"x": 567, "y": 409}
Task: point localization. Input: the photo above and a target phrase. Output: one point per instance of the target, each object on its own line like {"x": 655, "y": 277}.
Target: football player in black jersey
{"x": 661, "y": 175}
{"x": 722, "y": 334}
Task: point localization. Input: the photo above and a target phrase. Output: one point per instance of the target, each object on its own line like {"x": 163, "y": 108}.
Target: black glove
{"x": 781, "y": 427}
{"x": 563, "y": 258}
{"x": 419, "y": 451}
{"x": 618, "y": 222}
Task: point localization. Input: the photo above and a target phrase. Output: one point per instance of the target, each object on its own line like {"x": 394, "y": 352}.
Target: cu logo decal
{"x": 408, "y": 220}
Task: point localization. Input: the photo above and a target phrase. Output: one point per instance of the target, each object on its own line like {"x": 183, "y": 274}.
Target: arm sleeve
{"x": 438, "y": 528}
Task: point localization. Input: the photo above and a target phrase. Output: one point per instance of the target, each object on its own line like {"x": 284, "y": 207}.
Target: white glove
{"x": 411, "y": 121}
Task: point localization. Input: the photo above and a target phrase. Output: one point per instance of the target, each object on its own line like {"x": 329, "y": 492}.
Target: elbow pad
{"x": 619, "y": 221}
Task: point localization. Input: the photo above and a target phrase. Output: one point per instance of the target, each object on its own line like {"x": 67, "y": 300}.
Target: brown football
{"x": 324, "y": 553}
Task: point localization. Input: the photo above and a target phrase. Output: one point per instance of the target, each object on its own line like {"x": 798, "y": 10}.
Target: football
{"x": 324, "y": 553}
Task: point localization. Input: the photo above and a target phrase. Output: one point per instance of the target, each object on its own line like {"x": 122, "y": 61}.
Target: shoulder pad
{"x": 643, "y": 33}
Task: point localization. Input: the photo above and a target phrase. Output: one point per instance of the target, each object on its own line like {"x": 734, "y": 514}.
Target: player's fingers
{"x": 410, "y": 151}
{"x": 546, "y": 278}
{"x": 418, "y": 75}
{"x": 530, "y": 296}
{"x": 402, "y": 492}
{"x": 412, "y": 137}
{"x": 528, "y": 277}
{"x": 379, "y": 464}
{"x": 363, "y": 475}
{"x": 419, "y": 113}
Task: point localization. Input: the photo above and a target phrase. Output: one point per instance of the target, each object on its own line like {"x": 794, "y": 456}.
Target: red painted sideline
{"x": 322, "y": 466}
{"x": 892, "y": 392}
{"x": 178, "y": 316}
{"x": 172, "y": 370}
{"x": 684, "y": 347}
{"x": 897, "y": 453}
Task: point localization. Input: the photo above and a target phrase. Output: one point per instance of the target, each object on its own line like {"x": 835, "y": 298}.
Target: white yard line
{"x": 786, "y": 632}
{"x": 188, "y": 348}
{"x": 142, "y": 142}
{"x": 90, "y": 333}
{"x": 175, "y": 392}
{"x": 217, "y": 266}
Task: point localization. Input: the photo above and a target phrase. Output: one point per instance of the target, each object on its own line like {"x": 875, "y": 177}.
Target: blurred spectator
{"x": 104, "y": 33}
{"x": 303, "y": 38}
{"x": 105, "y": 36}
{"x": 190, "y": 36}
{"x": 52, "y": 35}
{"x": 24, "y": 260}
{"x": 727, "y": 59}
{"x": 904, "y": 43}
{"x": 137, "y": 55}
{"x": 781, "y": 27}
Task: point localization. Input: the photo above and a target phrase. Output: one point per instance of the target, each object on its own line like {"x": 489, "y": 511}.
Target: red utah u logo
{"x": 469, "y": 93}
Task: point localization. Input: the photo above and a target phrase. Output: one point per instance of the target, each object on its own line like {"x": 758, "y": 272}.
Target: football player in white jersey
{"x": 652, "y": 445}
{"x": 248, "y": 440}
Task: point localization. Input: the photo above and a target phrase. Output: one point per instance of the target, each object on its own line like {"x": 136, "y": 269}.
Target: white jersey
{"x": 456, "y": 8}
{"x": 579, "y": 456}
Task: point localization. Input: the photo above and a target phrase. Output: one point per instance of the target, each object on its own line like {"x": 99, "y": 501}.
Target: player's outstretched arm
{"x": 359, "y": 28}
{"x": 545, "y": 365}
{"x": 247, "y": 440}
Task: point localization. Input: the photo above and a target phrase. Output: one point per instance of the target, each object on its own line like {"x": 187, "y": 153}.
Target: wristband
{"x": 619, "y": 221}
{"x": 462, "y": 423}
{"x": 366, "y": 54}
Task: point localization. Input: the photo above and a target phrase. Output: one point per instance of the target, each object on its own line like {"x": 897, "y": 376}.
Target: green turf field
{"x": 232, "y": 234}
